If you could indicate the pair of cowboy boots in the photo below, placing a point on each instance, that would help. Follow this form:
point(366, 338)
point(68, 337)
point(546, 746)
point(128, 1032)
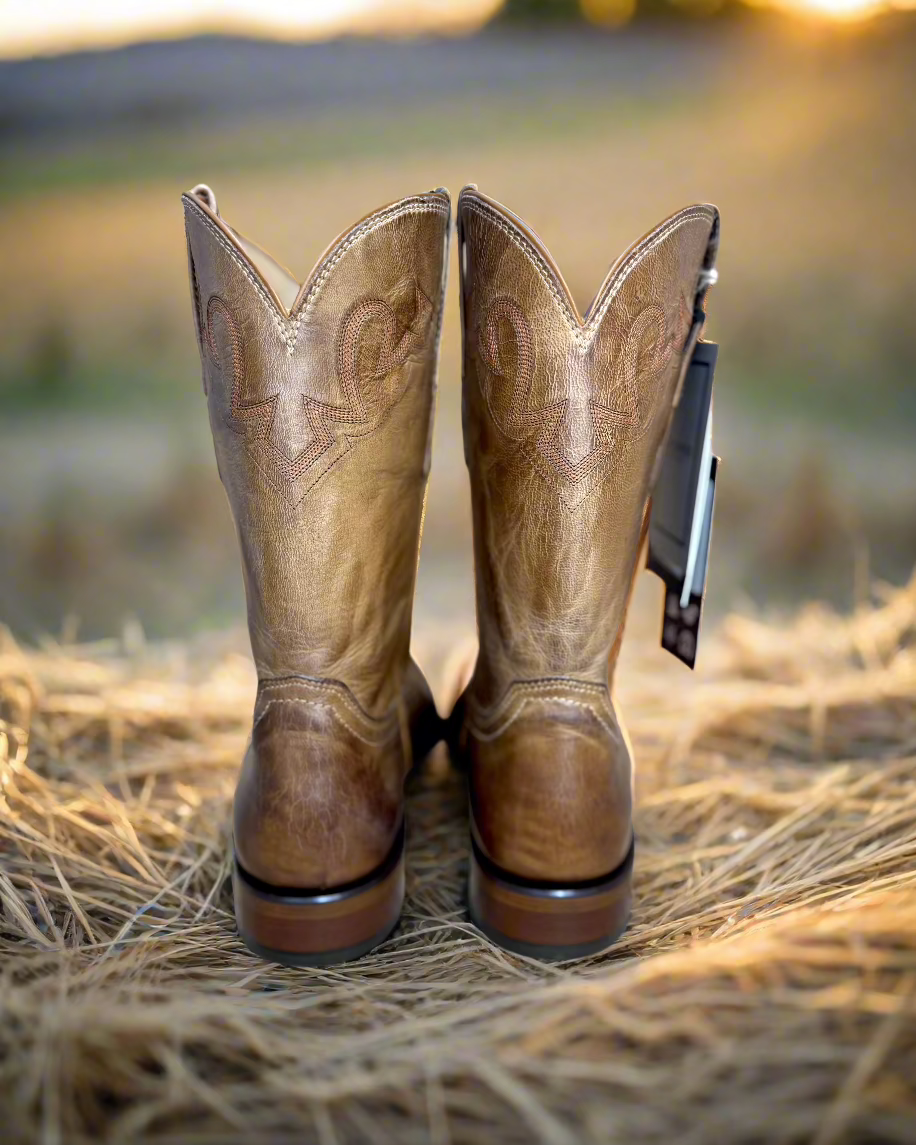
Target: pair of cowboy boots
point(321, 400)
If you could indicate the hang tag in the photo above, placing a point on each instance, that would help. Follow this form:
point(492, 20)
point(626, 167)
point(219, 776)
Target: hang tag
point(680, 525)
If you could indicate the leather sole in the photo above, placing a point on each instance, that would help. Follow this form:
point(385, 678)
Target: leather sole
point(549, 921)
point(320, 927)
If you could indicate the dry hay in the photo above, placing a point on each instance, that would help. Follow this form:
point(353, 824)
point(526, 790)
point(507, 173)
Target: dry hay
point(766, 991)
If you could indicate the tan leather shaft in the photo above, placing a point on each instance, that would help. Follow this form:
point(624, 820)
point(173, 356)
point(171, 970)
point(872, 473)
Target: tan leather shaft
point(321, 417)
point(564, 419)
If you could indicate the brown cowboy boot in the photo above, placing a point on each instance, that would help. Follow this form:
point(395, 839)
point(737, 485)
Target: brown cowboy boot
point(564, 421)
point(321, 403)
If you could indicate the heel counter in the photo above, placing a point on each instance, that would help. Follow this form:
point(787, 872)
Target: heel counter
point(551, 785)
point(319, 798)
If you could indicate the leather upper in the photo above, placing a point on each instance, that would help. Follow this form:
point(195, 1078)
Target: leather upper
point(321, 405)
point(564, 420)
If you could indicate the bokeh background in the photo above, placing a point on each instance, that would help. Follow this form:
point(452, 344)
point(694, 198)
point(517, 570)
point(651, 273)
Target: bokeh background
point(592, 120)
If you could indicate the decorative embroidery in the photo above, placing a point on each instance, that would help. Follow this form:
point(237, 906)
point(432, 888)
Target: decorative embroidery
point(244, 417)
point(365, 404)
point(551, 426)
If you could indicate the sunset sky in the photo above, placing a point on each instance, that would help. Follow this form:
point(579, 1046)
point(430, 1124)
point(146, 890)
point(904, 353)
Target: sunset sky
point(62, 25)
point(59, 25)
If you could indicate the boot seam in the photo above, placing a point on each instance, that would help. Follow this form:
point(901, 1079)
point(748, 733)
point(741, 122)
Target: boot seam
point(488, 726)
point(301, 702)
point(584, 333)
point(336, 687)
point(287, 325)
point(386, 725)
point(546, 685)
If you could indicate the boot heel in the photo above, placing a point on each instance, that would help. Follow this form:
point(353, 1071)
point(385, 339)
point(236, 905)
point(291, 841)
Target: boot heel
point(319, 928)
point(548, 921)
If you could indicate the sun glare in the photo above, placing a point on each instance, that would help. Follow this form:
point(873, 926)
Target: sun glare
point(848, 11)
point(844, 9)
point(62, 25)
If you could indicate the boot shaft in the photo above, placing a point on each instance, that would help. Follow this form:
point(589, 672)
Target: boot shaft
point(564, 418)
point(320, 401)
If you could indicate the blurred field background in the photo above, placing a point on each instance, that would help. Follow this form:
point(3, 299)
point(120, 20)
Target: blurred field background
point(766, 990)
point(799, 125)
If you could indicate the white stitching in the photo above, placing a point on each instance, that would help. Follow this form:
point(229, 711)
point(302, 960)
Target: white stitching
point(637, 256)
point(528, 249)
point(538, 687)
point(278, 319)
point(337, 690)
point(326, 707)
point(486, 737)
point(583, 334)
point(551, 685)
point(287, 326)
point(415, 207)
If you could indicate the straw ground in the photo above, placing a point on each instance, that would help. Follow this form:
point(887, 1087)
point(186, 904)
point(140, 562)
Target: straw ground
point(766, 991)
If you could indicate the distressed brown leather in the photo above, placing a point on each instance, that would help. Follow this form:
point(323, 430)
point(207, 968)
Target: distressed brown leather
point(321, 417)
point(564, 420)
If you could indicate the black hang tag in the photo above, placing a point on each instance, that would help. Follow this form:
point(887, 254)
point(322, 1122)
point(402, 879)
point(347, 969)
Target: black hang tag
point(681, 622)
point(680, 526)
